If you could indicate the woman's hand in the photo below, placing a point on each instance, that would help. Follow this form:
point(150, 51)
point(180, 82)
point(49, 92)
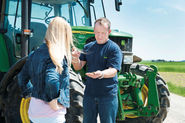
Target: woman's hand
point(55, 105)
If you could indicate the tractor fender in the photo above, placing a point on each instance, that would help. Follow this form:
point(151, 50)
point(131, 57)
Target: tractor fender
point(15, 69)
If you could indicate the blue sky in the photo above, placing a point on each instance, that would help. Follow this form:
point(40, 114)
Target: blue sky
point(158, 26)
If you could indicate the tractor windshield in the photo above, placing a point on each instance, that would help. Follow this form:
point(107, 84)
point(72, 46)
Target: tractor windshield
point(76, 12)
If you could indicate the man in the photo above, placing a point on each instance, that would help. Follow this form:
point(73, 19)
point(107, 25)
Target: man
point(103, 58)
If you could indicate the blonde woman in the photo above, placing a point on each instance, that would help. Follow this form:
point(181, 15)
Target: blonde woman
point(45, 75)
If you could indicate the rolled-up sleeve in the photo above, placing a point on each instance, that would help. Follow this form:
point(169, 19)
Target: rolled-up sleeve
point(115, 59)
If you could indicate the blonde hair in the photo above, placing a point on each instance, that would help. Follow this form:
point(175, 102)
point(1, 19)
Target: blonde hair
point(59, 41)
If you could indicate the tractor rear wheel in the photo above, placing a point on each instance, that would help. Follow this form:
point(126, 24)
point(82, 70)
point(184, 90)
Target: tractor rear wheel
point(75, 112)
point(163, 94)
point(10, 94)
point(11, 101)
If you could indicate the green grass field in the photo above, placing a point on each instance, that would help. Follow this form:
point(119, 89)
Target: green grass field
point(173, 73)
point(176, 89)
point(167, 66)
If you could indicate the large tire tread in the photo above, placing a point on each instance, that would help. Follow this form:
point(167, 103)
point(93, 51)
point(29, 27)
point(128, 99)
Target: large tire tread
point(10, 94)
point(75, 112)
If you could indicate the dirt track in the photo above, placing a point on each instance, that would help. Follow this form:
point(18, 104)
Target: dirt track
point(176, 78)
point(176, 112)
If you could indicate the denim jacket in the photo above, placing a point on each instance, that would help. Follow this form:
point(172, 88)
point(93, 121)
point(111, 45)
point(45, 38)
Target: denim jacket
point(38, 78)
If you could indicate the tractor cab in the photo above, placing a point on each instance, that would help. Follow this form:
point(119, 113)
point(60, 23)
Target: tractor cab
point(25, 23)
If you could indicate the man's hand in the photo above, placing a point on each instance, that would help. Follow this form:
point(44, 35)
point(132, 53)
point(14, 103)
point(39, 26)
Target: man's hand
point(107, 73)
point(75, 55)
point(77, 63)
point(95, 75)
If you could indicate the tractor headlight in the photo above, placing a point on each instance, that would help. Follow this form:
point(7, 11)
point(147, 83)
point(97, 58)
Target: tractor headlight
point(128, 58)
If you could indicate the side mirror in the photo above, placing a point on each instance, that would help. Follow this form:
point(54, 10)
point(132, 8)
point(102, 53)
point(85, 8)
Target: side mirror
point(118, 3)
point(91, 1)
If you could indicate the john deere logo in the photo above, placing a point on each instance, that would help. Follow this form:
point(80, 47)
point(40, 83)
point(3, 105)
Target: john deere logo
point(105, 57)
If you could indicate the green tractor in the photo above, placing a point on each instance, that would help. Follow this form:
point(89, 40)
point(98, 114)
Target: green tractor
point(143, 94)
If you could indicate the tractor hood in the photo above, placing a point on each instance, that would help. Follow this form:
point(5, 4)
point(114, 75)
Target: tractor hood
point(114, 33)
point(118, 33)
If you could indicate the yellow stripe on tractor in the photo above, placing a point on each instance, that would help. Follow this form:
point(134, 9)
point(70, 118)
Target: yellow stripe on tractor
point(82, 32)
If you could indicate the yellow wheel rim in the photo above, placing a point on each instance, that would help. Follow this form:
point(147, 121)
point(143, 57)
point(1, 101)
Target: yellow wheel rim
point(24, 110)
point(144, 92)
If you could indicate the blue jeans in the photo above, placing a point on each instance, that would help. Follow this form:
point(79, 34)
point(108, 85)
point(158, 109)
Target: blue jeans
point(106, 107)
